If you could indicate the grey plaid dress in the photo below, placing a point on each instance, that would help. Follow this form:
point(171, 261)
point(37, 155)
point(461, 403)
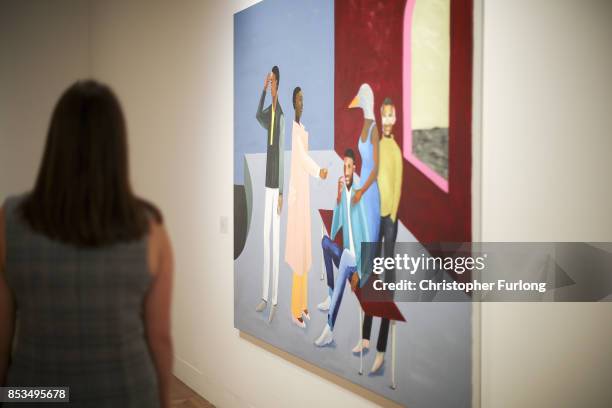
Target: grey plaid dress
point(79, 318)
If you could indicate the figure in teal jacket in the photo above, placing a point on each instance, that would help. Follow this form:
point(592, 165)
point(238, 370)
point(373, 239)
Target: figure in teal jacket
point(351, 217)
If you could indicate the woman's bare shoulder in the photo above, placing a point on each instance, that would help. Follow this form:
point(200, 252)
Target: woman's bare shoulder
point(2, 223)
point(159, 245)
point(2, 240)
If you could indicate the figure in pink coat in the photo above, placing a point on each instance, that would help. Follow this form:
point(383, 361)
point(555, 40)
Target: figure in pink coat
point(298, 252)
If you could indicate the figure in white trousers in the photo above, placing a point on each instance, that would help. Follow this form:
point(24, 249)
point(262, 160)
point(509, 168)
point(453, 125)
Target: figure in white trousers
point(273, 120)
point(271, 224)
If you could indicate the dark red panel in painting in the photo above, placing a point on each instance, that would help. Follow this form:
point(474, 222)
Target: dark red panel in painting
point(368, 48)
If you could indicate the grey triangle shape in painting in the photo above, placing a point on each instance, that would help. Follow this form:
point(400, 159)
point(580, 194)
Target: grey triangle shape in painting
point(562, 279)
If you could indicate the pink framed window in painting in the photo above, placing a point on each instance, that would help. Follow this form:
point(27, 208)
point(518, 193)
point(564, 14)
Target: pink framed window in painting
point(426, 72)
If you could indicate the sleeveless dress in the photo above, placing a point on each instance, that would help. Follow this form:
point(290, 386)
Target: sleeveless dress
point(79, 318)
point(371, 198)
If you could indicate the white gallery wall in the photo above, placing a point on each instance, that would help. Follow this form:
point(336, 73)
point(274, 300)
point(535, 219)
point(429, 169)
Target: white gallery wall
point(43, 47)
point(546, 138)
point(546, 146)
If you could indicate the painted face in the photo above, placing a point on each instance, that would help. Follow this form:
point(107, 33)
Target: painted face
point(299, 104)
point(349, 168)
point(388, 119)
point(273, 85)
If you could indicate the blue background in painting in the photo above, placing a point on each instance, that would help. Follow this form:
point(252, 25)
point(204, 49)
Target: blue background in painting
point(298, 36)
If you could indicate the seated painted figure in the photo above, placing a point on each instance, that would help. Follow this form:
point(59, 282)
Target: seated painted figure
point(351, 217)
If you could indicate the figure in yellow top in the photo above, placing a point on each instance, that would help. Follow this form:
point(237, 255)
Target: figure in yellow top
point(390, 172)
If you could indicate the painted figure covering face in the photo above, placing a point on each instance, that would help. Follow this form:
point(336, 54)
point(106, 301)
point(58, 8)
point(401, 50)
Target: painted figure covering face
point(273, 85)
point(272, 120)
point(274, 81)
point(364, 100)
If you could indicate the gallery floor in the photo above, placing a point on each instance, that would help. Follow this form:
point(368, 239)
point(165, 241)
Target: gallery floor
point(184, 397)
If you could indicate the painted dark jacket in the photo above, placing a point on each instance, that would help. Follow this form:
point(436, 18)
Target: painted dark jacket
point(275, 150)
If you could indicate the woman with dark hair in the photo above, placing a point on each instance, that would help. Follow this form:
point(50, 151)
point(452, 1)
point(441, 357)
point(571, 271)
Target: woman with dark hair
point(86, 267)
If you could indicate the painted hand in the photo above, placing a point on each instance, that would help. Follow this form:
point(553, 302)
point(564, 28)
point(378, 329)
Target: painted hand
point(267, 81)
point(280, 204)
point(340, 187)
point(323, 174)
point(357, 196)
point(354, 281)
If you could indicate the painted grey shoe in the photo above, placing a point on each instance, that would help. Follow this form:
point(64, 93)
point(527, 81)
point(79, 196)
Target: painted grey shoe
point(299, 322)
point(325, 338)
point(324, 305)
point(378, 362)
point(272, 313)
point(363, 345)
point(261, 306)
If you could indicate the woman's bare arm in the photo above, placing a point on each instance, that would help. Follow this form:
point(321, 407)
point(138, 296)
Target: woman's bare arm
point(157, 309)
point(7, 308)
point(374, 174)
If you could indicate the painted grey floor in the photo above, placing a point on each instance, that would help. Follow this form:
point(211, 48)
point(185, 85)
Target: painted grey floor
point(434, 352)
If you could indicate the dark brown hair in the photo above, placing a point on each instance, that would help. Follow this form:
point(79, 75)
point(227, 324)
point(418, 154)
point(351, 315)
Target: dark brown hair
point(276, 73)
point(83, 195)
point(296, 91)
point(349, 153)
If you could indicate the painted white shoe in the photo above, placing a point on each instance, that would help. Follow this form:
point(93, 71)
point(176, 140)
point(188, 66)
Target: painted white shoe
point(326, 337)
point(261, 306)
point(305, 315)
point(324, 305)
point(298, 323)
point(272, 313)
point(362, 345)
point(378, 362)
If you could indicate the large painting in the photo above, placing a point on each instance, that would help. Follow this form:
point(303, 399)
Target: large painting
point(352, 124)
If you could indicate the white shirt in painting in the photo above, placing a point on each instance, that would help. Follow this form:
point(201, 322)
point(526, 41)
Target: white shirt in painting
point(347, 192)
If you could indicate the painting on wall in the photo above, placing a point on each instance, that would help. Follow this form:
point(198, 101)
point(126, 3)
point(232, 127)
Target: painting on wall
point(352, 124)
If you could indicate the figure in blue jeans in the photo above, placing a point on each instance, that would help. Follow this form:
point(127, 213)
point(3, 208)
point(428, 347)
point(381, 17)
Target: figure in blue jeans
point(351, 218)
